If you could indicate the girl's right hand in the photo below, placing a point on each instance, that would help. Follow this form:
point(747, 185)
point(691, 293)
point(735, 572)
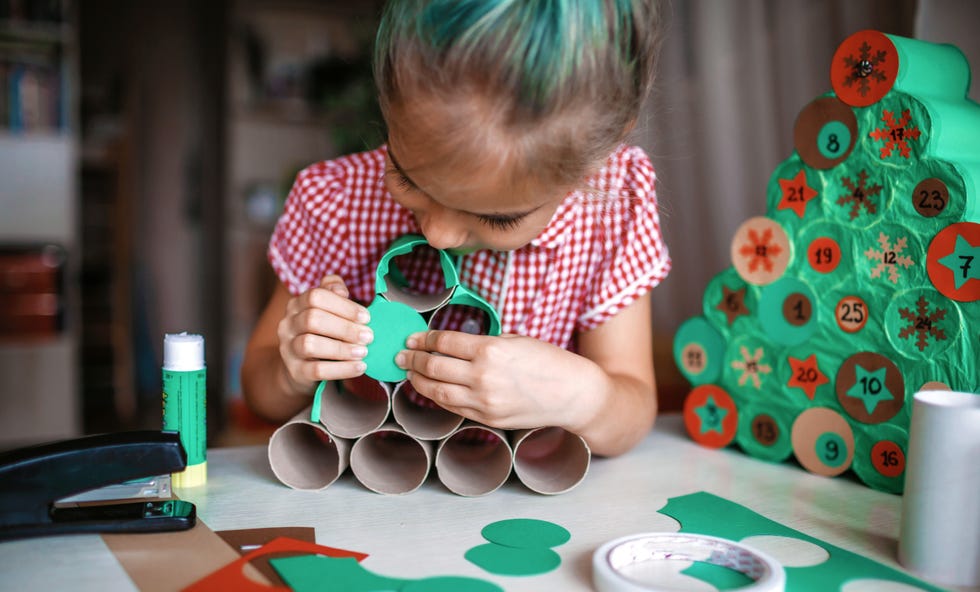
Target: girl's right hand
point(324, 335)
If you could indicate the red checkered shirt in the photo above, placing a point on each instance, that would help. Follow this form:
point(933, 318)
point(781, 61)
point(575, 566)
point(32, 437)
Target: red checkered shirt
point(601, 250)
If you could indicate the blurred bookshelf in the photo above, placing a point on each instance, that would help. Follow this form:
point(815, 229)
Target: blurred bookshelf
point(38, 225)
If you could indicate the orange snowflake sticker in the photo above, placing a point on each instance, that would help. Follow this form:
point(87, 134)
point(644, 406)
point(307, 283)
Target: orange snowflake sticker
point(760, 251)
point(864, 68)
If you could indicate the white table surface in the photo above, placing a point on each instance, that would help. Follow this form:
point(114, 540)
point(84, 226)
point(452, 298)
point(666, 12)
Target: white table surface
point(426, 533)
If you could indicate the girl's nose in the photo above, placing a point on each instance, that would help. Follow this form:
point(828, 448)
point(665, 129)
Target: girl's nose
point(442, 230)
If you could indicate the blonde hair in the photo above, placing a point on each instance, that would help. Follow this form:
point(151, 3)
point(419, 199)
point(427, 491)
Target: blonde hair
point(561, 81)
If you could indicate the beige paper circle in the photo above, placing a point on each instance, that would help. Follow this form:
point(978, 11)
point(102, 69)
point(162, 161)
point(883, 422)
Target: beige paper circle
point(760, 251)
point(808, 429)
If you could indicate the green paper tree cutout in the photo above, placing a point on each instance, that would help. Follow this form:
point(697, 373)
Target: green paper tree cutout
point(878, 211)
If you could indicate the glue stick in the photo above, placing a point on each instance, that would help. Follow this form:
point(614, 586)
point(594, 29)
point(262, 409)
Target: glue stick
point(184, 402)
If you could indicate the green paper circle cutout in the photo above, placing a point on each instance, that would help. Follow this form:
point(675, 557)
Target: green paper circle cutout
point(510, 561)
point(833, 140)
point(699, 350)
point(831, 449)
point(788, 311)
point(765, 432)
point(451, 584)
point(922, 324)
point(526, 533)
point(392, 323)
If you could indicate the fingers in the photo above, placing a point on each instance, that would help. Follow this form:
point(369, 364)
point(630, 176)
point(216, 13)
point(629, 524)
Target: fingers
point(434, 366)
point(449, 343)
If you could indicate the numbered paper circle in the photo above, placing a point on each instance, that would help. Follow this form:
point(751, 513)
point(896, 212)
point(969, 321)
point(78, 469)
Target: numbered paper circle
point(921, 323)
point(710, 416)
point(864, 68)
point(825, 133)
point(851, 313)
point(823, 441)
point(788, 311)
point(764, 432)
point(760, 251)
point(879, 460)
point(699, 350)
point(930, 197)
point(953, 261)
point(870, 387)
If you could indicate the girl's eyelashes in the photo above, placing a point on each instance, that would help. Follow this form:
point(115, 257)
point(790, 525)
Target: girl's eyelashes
point(401, 181)
point(500, 222)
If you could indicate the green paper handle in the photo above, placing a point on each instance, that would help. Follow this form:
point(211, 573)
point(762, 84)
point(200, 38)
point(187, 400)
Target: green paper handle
point(404, 245)
point(465, 297)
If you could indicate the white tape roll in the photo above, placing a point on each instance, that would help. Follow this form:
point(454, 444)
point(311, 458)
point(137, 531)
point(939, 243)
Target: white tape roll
point(612, 560)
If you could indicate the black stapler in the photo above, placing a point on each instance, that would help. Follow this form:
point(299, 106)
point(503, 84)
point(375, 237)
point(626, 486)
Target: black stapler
point(33, 479)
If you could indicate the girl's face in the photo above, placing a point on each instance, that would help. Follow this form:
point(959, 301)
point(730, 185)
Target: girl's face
point(461, 207)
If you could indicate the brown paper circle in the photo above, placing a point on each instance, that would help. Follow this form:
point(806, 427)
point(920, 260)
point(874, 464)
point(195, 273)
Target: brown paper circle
point(811, 121)
point(885, 409)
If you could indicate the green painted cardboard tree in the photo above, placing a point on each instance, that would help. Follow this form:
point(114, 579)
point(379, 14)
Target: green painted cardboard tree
point(861, 284)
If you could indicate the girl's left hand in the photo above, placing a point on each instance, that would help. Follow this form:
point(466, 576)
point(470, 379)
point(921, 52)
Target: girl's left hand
point(508, 382)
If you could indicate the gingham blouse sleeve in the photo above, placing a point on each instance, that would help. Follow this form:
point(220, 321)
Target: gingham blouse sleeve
point(309, 240)
point(637, 258)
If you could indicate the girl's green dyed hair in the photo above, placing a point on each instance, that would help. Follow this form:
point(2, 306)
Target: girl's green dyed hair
point(565, 78)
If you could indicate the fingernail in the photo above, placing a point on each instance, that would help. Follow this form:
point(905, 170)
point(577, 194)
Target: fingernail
point(363, 316)
point(358, 351)
point(366, 336)
point(360, 367)
point(411, 343)
point(400, 359)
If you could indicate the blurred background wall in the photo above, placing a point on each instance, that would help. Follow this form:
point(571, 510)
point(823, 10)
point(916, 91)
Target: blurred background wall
point(146, 150)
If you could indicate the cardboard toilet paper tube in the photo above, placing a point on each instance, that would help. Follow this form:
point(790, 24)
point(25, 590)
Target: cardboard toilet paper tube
point(474, 460)
point(550, 460)
point(304, 455)
point(419, 416)
point(390, 461)
point(354, 407)
point(940, 526)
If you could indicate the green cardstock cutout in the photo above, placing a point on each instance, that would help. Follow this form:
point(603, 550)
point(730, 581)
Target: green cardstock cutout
point(705, 513)
point(511, 561)
point(311, 573)
point(526, 533)
point(392, 322)
point(451, 584)
point(719, 576)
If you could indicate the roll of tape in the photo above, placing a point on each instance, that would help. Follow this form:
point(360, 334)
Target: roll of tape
point(611, 562)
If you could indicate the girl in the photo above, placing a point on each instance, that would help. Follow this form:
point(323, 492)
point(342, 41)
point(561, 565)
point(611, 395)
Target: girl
point(505, 123)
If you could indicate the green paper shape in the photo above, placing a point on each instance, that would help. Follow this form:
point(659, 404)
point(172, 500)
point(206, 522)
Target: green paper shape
point(317, 398)
point(511, 561)
point(719, 576)
point(451, 584)
point(831, 449)
point(526, 533)
point(705, 513)
point(712, 416)
point(964, 262)
point(870, 388)
point(313, 572)
point(772, 317)
point(698, 330)
point(392, 323)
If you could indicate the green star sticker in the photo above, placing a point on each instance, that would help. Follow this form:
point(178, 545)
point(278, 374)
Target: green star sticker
point(870, 388)
point(711, 416)
point(964, 262)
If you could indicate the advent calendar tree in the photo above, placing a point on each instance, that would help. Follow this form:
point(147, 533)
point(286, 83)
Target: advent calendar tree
point(861, 284)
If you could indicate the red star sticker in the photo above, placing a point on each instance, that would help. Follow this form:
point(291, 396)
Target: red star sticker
point(806, 375)
point(796, 193)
